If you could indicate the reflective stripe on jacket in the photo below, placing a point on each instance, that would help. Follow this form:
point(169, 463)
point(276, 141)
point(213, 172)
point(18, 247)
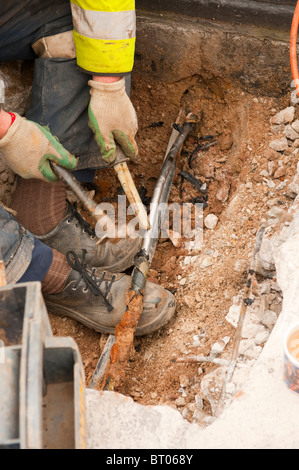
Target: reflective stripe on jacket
point(104, 35)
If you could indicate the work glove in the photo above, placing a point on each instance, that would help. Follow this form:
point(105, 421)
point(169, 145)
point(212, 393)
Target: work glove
point(112, 119)
point(28, 148)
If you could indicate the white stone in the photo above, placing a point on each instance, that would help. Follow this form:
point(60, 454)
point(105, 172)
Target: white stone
point(250, 330)
point(290, 132)
point(219, 346)
point(271, 167)
point(180, 401)
point(249, 349)
point(265, 288)
point(284, 116)
point(277, 129)
point(191, 407)
point(269, 318)
point(210, 387)
point(211, 221)
point(198, 402)
point(234, 312)
point(270, 184)
point(261, 337)
point(200, 417)
point(266, 255)
point(241, 265)
point(294, 98)
point(275, 286)
point(279, 144)
point(295, 125)
point(294, 185)
point(184, 381)
point(281, 185)
point(207, 261)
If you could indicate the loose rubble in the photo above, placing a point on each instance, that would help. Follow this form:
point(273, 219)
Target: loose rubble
point(245, 176)
point(262, 314)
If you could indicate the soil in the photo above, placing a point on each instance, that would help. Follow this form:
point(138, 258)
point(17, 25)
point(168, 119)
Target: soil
point(204, 280)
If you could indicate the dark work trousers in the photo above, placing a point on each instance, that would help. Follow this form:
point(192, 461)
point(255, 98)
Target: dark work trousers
point(60, 91)
point(60, 98)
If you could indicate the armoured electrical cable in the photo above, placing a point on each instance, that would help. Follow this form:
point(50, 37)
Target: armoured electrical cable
point(124, 332)
point(293, 48)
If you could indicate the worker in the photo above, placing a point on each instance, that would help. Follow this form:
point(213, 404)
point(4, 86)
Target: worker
point(83, 54)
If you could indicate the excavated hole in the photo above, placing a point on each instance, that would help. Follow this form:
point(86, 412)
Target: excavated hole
point(204, 281)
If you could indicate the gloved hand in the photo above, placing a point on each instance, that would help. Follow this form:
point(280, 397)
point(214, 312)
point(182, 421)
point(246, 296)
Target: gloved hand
point(27, 149)
point(113, 119)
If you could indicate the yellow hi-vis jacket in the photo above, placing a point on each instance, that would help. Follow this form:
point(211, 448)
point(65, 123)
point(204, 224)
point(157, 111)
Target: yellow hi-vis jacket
point(104, 35)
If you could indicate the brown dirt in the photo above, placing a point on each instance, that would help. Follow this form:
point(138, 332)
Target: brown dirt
point(240, 123)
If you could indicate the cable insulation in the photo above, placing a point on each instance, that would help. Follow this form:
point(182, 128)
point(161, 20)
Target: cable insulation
point(293, 47)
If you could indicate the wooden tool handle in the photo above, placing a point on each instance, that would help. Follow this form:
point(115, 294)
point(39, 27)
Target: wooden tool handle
point(130, 190)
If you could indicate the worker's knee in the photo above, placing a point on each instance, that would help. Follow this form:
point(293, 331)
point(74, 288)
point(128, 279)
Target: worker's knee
point(57, 46)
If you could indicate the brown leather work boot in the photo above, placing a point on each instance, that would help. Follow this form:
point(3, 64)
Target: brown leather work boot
point(75, 234)
point(97, 298)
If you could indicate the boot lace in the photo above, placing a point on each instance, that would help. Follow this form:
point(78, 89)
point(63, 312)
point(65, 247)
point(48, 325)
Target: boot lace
point(91, 279)
point(75, 214)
